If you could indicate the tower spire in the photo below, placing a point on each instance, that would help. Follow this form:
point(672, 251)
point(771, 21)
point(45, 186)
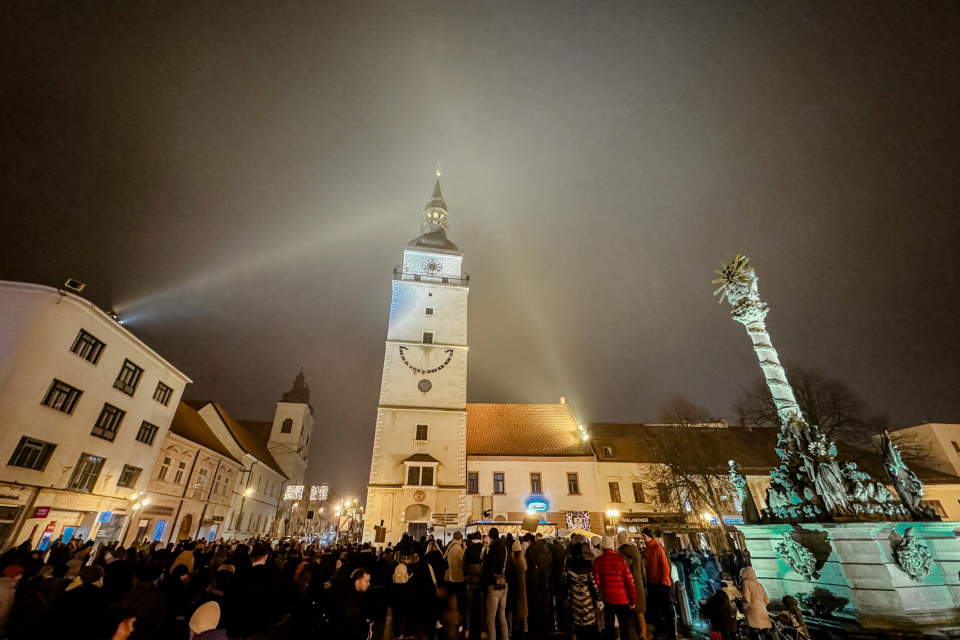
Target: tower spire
point(433, 225)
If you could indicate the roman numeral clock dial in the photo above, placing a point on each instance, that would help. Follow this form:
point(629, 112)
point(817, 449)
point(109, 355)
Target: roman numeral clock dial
point(430, 360)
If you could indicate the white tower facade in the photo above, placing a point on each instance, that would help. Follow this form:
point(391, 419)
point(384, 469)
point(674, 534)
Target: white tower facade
point(418, 468)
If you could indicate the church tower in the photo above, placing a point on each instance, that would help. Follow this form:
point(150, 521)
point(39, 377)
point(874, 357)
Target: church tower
point(291, 430)
point(418, 469)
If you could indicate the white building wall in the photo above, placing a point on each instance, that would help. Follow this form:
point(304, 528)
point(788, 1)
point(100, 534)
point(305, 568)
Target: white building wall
point(39, 327)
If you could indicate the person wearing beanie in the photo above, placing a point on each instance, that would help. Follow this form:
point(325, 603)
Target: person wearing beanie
point(660, 611)
point(634, 559)
point(616, 587)
point(204, 621)
point(78, 610)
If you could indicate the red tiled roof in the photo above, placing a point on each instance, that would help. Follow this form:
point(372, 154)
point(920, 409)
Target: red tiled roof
point(188, 424)
point(251, 435)
point(523, 430)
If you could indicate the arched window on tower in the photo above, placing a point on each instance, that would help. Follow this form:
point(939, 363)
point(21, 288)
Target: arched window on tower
point(287, 426)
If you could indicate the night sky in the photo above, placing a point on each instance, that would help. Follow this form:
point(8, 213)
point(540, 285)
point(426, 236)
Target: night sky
point(238, 179)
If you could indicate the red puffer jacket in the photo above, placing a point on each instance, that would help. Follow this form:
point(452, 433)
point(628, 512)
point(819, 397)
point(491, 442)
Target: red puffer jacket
point(614, 579)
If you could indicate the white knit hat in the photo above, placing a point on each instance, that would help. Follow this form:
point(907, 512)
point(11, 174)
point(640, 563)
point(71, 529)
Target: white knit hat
point(606, 542)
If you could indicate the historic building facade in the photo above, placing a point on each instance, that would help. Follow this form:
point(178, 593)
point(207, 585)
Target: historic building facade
point(85, 407)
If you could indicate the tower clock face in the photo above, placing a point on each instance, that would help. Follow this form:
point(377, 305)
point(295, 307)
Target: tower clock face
point(432, 266)
point(427, 360)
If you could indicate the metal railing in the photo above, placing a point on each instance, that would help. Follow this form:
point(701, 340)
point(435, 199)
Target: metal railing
point(432, 279)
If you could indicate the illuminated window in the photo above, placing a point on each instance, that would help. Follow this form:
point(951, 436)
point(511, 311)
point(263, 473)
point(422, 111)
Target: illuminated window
point(87, 347)
point(129, 378)
point(422, 430)
point(498, 482)
point(61, 397)
point(535, 486)
point(573, 484)
point(428, 337)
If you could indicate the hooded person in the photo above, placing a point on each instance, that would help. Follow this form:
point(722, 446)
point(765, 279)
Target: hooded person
point(755, 600)
point(204, 622)
point(634, 559)
point(517, 606)
point(578, 588)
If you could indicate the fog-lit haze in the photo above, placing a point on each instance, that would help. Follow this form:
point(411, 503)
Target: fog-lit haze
point(237, 180)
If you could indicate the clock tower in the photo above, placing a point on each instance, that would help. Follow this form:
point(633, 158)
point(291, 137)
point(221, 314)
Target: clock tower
point(418, 468)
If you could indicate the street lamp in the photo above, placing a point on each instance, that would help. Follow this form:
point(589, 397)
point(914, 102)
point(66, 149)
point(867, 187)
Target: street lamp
point(613, 514)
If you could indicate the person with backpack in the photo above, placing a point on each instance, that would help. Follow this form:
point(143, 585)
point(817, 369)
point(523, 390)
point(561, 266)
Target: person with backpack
point(403, 593)
point(494, 583)
point(473, 571)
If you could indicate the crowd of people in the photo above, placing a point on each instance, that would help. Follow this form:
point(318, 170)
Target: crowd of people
point(482, 586)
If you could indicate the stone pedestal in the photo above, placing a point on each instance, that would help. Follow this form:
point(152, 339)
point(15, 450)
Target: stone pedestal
point(856, 561)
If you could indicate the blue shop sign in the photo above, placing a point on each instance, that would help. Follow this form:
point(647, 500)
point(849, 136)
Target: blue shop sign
point(106, 516)
point(537, 503)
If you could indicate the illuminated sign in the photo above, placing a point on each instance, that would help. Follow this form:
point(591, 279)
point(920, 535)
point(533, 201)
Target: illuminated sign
point(41, 512)
point(106, 516)
point(537, 503)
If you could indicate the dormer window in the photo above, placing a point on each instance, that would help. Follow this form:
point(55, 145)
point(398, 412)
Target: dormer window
point(608, 452)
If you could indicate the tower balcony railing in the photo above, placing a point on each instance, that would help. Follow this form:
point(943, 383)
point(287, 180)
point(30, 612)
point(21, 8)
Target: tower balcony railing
point(461, 281)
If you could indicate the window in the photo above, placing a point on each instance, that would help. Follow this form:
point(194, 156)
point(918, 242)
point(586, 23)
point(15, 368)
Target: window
point(201, 479)
point(129, 476)
point(179, 475)
point(429, 311)
point(158, 532)
point(147, 432)
point(108, 422)
point(573, 484)
point(162, 393)
point(31, 454)
point(87, 347)
point(61, 397)
point(129, 378)
point(608, 452)
point(663, 492)
point(287, 426)
point(638, 492)
point(422, 430)
point(428, 337)
point(422, 476)
point(473, 482)
point(498, 483)
point(86, 473)
point(614, 491)
point(535, 486)
point(163, 469)
point(309, 515)
point(216, 484)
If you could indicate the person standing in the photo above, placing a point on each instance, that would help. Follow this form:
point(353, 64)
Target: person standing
point(579, 591)
point(353, 623)
point(495, 583)
point(473, 570)
point(634, 559)
point(617, 592)
point(660, 588)
point(454, 577)
point(755, 601)
point(517, 608)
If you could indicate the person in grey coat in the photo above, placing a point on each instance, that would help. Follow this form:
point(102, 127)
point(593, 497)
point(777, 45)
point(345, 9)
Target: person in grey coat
point(634, 559)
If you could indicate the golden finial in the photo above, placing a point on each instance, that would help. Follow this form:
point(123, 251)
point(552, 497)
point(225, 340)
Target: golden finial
point(438, 171)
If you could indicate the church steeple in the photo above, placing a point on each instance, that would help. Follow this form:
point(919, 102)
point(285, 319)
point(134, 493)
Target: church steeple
point(300, 392)
point(433, 226)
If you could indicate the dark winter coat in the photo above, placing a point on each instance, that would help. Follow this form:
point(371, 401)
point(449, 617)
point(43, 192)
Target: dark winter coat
point(634, 559)
point(494, 562)
point(614, 579)
point(580, 588)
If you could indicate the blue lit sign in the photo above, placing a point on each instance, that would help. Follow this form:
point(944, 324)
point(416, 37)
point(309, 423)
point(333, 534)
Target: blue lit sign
point(537, 503)
point(106, 516)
